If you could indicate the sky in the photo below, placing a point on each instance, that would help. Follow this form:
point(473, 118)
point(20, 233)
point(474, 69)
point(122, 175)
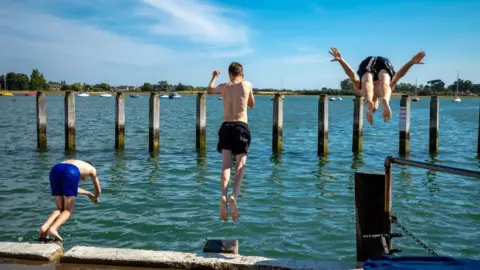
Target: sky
point(281, 44)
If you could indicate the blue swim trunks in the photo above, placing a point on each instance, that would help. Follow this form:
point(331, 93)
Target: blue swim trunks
point(64, 179)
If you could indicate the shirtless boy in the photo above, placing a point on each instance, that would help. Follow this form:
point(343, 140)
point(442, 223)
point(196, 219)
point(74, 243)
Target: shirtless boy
point(64, 180)
point(234, 134)
point(378, 77)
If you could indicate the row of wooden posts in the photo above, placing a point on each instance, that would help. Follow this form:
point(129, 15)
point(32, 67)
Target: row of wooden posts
point(201, 121)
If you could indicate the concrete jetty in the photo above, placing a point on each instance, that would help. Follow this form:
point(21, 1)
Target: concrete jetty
point(160, 259)
point(30, 251)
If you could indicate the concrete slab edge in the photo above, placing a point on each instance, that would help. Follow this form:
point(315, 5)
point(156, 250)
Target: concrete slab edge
point(30, 251)
point(181, 260)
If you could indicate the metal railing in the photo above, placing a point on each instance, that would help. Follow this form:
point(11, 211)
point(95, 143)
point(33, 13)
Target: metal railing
point(390, 160)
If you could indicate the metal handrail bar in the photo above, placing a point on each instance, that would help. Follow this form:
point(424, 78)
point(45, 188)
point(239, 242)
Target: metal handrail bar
point(428, 166)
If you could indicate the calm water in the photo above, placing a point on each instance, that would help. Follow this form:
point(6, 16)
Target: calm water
point(292, 205)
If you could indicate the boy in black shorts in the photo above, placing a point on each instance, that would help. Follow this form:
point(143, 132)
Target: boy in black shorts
point(234, 134)
point(378, 77)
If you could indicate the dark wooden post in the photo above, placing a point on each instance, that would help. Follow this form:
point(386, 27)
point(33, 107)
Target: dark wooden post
point(373, 208)
point(201, 131)
point(357, 124)
point(41, 121)
point(404, 126)
point(322, 125)
point(434, 123)
point(154, 125)
point(120, 121)
point(277, 133)
point(70, 121)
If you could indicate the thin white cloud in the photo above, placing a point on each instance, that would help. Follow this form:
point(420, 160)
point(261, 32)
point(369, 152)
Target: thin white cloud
point(28, 32)
point(197, 21)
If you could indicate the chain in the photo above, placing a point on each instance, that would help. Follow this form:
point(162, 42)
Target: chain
point(395, 220)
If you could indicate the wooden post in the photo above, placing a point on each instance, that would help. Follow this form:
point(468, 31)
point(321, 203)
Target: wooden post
point(373, 209)
point(277, 133)
point(70, 121)
point(154, 126)
point(41, 121)
point(322, 125)
point(434, 122)
point(120, 121)
point(357, 124)
point(201, 132)
point(404, 125)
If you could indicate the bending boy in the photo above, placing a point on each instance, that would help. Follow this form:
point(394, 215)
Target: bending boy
point(64, 180)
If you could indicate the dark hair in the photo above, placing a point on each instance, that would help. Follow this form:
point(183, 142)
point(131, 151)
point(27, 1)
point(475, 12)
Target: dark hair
point(88, 162)
point(235, 69)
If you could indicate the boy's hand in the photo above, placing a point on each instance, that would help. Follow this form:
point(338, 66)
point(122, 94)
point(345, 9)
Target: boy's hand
point(336, 54)
point(93, 198)
point(216, 73)
point(417, 59)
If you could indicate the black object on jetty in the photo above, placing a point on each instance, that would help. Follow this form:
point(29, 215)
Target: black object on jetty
point(221, 246)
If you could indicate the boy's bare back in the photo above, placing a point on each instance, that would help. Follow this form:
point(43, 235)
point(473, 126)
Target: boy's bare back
point(236, 97)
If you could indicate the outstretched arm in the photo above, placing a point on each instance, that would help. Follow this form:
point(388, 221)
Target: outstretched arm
point(211, 87)
point(346, 67)
point(417, 59)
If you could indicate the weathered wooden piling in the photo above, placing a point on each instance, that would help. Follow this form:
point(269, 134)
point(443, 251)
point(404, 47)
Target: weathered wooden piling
point(41, 121)
point(201, 132)
point(373, 209)
point(70, 121)
point(357, 124)
point(434, 123)
point(322, 125)
point(404, 125)
point(277, 132)
point(120, 121)
point(154, 125)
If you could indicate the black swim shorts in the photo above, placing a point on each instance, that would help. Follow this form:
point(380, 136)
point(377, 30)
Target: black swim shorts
point(374, 64)
point(234, 136)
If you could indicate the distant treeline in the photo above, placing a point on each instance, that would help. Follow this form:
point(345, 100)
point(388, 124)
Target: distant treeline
point(36, 81)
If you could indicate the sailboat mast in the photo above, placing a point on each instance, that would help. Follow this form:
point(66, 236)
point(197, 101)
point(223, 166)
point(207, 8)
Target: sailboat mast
point(457, 81)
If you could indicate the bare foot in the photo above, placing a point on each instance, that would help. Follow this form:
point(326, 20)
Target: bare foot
point(387, 112)
point(43, 232)
point(223, 208)
point(54, 233)
point(369, 116)
point(233, 207)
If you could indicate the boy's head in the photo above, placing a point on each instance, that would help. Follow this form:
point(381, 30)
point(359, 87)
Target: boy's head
point(235, 70)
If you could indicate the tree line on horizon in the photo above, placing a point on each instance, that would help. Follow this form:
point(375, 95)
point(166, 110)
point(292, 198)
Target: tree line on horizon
point(37, 81)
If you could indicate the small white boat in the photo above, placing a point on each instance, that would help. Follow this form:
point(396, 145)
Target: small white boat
point(339, 98)
point(457, 99)
point(164, 96)
point(416, 98)
point(83, 94)
point(105, 95)
point(333, 98)
point(135, 96)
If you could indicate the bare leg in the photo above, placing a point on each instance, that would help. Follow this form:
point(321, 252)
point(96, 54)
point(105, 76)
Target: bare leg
point(64, 216)
point(367, 89)
point(52, 217)
point(240, 161)
point(386, 91)
point(226, 170)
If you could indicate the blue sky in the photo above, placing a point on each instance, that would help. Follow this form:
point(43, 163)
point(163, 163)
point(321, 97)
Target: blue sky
point(133, 41)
